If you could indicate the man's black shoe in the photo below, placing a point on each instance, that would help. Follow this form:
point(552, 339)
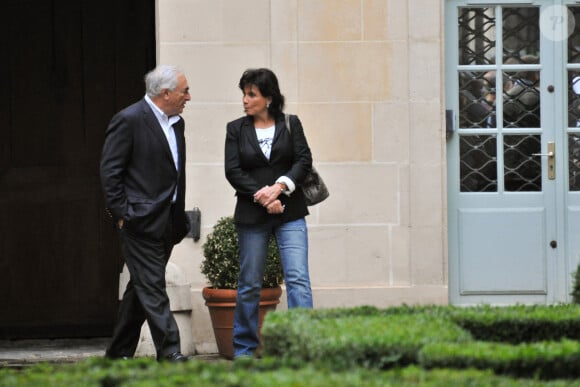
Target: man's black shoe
point(175, 357)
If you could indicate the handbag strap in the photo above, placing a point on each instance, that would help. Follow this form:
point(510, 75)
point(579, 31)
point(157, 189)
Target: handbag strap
point(287, 119)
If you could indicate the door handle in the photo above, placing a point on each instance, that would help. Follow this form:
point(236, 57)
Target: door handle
point(551, 155)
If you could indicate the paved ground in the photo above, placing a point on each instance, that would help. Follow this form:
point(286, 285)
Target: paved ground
point(20, 353)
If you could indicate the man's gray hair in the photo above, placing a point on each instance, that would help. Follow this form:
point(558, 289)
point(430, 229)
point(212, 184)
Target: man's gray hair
point(161, 77)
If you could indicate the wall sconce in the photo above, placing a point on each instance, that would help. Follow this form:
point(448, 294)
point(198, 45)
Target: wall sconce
point(195, 221)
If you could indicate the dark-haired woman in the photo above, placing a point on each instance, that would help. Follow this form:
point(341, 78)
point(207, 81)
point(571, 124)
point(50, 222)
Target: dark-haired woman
point(266, 163)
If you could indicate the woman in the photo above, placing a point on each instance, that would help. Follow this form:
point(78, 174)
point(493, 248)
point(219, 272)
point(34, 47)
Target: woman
point(266, 163)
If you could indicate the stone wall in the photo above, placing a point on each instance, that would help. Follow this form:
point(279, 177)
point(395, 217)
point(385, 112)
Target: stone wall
point(366, 79)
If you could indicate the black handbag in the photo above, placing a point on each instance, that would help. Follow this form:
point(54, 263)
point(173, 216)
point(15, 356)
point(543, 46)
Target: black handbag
point(313, 186)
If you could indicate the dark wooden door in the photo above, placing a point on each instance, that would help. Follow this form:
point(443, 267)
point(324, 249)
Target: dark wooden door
point(67, 67)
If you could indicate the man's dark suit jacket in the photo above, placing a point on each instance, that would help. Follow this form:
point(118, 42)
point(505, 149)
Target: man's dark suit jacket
point(138, 173)
point(248, 170)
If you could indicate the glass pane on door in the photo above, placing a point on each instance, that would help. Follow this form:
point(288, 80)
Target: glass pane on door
point(521, 103)
point(476, 36)
point(522, 171)
point(478, 163)
point(477, 99)
point(521, 33)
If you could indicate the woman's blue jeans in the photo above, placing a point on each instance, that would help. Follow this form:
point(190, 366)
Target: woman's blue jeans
point(292, 240)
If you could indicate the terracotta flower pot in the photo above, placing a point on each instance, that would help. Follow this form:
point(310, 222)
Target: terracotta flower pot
point(222, 303)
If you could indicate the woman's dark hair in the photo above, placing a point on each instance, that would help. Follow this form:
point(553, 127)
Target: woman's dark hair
point(265, 80)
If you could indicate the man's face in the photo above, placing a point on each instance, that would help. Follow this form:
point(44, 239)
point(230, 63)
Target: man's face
point(175, 100)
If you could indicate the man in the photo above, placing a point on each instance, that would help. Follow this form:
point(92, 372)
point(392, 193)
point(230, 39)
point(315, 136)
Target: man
point(143, 178)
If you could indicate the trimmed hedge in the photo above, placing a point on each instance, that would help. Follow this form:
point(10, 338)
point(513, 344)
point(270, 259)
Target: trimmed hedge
point(520, 323)
point(530, 340)
point(427, 346)
point(544, 360)
point(348, 338)
point(147, 372)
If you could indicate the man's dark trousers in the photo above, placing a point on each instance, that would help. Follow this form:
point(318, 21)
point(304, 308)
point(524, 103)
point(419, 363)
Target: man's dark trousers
point(145, 297)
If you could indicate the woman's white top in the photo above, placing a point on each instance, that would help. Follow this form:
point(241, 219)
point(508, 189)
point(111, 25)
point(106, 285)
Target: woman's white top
point(265, 138)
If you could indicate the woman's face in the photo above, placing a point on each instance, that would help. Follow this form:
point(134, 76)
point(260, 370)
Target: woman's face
point(254, 102)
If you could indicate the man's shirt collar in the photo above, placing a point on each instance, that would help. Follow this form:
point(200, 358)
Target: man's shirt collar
point(161, 116)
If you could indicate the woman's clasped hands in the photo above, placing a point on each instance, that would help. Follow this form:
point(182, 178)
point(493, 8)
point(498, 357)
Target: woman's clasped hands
point(268, 198)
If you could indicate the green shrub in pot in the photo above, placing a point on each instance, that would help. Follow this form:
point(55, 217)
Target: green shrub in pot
point(221, 263)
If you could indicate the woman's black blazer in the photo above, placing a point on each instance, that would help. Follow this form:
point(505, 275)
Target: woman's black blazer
point(248, 170)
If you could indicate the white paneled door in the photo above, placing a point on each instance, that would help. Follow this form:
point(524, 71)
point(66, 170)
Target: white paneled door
point(513, 150)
